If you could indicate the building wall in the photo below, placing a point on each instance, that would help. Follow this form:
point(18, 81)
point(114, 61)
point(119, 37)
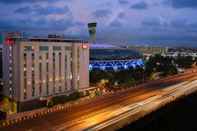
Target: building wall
point(43, 69)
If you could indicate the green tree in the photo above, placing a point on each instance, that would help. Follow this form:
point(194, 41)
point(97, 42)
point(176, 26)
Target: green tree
point(6, 105)
point(184, 61)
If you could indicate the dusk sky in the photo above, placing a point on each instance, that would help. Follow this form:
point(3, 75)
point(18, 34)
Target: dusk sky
point(161, 22)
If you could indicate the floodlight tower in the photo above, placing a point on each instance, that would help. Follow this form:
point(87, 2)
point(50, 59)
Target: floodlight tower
point(92, 31)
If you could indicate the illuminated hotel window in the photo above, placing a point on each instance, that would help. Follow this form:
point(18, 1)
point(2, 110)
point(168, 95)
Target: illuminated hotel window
point(10, 47)
point(25, 88)
point(33, 75)
point(78, 65)
point(28, 48)
point(10, 75)
point(10, 82)
point(10, 61)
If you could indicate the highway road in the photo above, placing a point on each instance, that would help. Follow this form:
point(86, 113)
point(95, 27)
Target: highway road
point(105, 110)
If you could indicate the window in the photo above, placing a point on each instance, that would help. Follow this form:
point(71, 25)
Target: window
point(33, 75)
point(47, 84)
point(53, 72)
point(56, 48)
point(25, 88)
point(68, 48)
point(28, 48)
point(44, 48)
point(65, 72)
point(25, 76)
point(78, 65)
point(60, 64)
point(33, 56)
point(33, 91)
point(40, 77)
point(40, 89)
point(60, 89)
point(47, 56)
point(47, 68)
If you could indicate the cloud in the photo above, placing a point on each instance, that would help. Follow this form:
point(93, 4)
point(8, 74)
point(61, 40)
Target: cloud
point(40, 25)
point(139, 6)
point(102, 13)
point(123, 2)
point(24, 1)
point(151, 22)
point(116, 24)
point(42, 10)
point(121, 15)
point(182, 3)
point(23, 10)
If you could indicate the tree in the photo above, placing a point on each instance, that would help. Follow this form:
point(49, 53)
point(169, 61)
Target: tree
point(14, 107)
point(184, 61)
point(6, 105)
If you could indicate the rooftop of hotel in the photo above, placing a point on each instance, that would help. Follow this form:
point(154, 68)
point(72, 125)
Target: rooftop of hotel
point(49, 38)
point(58, 40)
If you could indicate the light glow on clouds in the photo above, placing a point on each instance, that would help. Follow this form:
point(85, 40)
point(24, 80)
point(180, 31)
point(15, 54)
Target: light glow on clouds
point(136, 21)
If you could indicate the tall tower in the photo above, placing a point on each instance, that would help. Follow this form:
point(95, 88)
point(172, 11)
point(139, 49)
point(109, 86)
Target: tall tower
point(92, 31)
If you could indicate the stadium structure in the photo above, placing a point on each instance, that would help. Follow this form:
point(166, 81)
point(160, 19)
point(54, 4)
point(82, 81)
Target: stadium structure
point(113, 58)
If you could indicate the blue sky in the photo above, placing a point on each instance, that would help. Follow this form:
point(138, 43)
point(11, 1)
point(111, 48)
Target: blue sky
point(156, 22)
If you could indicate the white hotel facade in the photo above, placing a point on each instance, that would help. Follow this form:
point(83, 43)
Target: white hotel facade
point(43, 67)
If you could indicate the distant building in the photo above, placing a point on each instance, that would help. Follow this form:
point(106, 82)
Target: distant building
point(38, 68)
point(149, 51)
point(182, 51)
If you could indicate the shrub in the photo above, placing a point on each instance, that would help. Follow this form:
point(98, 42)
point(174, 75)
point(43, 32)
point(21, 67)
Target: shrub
point(3, 115)
point(50, 103)
point(64, 98)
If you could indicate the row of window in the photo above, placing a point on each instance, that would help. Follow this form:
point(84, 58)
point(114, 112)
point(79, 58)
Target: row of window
point(46, 48)
point(55, 74)
point(11, 91)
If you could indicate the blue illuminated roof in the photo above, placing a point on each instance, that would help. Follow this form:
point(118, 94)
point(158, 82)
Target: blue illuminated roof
point(115, 64)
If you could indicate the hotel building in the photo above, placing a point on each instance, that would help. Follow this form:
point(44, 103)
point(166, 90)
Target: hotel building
point(40, 68)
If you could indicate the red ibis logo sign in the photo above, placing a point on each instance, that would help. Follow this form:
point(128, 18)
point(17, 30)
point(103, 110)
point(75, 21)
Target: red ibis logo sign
point(85, 46)
point(9, 41)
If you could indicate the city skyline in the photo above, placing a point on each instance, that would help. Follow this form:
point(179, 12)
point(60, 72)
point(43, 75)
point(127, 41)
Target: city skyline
point(156, 22)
